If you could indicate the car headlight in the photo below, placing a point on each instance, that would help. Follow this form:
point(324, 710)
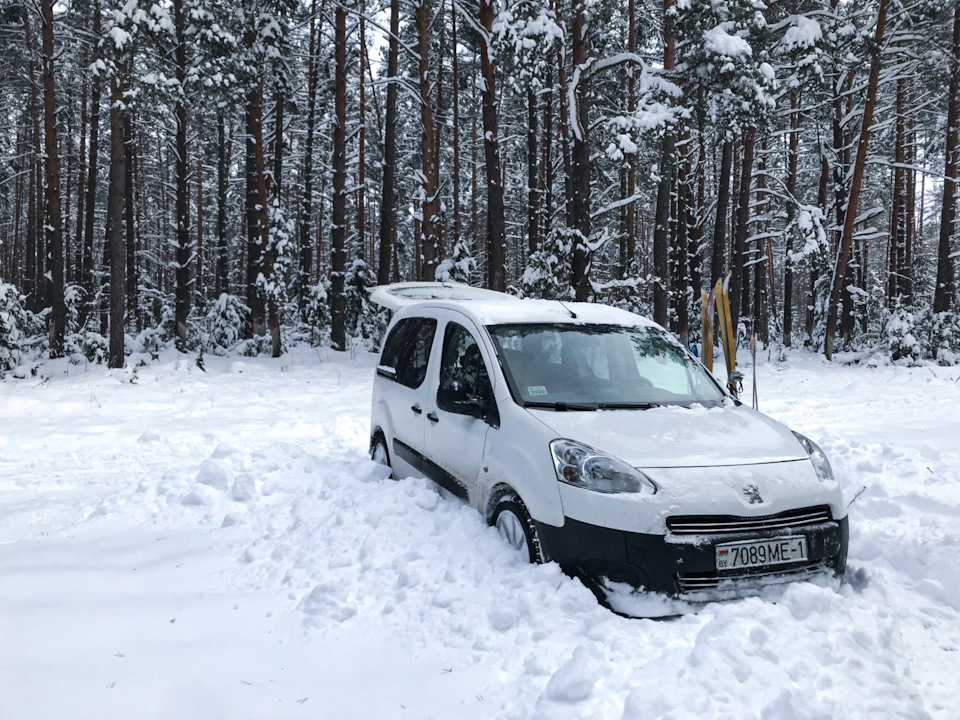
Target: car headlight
point(817, 457)
point(582, 466)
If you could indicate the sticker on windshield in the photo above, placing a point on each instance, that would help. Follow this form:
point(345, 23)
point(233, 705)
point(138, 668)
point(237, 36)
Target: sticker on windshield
point(536, 390)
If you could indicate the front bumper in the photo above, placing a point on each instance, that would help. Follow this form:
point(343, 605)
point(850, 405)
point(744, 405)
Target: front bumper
point(686, 567)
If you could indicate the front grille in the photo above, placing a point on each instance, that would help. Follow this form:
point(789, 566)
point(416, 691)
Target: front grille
point(697, 582)
point(732, 525)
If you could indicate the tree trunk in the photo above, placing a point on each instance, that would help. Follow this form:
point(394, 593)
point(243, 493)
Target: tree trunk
point(630, 219)
point(440, 227)
point(740, 283)
point(792, 147)
point(811, 305)
point(221, 283)
point(846, 239)
point(77, 276)
point(183, 249)
point(268, 256)
point(259, 212)
point(133, 315)
point(910, 179)
point(661, 232)
point(698, 232)
point(718, 260)
point(338, 222)
point(533, 216)
point(67, 152)
point(388, 201)
point(163, 246)
point(455, 80)
point(306, 202)
point(31, 287)
point(737, 173)
point(115, 197)
point(761, 288)
point(944, 295)
point(661, 229)
point(429, 245)
point(563, 110)
point(89, 280)
point(897, 209)
point(255, 299)
point(580, 159)
point(496, 223)
point(361, 156)
point(53, 221)
point(681, 280)
point(474, 188)
point(199, 289)
point(546, 160)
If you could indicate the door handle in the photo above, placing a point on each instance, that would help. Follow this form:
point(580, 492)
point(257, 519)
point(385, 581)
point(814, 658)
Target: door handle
point(416, 408)
point(432, 417)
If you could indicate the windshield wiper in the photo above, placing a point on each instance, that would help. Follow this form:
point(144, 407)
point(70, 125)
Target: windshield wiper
point(558, 406)
point(628, 405)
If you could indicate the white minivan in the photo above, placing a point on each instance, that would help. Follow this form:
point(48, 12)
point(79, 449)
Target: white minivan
point(589, 436)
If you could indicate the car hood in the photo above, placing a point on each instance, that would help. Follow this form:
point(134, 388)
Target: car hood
point(672, 437)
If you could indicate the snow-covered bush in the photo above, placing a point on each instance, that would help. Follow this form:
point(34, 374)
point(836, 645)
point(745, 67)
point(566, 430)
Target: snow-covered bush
point(316, 316)
point(904, 334)
point(459, 267)
point(625, 294)
point(362, 318)
point(151, 341)
point(281, 246)
point(17, 325)
point(547, 274)
point(224, 325)
point(73, 298)
point(168, 322)
point(257, 345)
point(945, 338)
point(87, 344)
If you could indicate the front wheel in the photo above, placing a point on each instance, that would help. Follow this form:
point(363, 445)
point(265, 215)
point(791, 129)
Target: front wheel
point(378, 451)
point(514, 524)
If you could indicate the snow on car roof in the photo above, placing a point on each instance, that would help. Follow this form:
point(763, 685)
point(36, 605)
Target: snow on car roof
point(398, 295)
point(488, 307)
point(551, 311)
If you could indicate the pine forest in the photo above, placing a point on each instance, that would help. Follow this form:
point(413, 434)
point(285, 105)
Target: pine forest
point(232, 176)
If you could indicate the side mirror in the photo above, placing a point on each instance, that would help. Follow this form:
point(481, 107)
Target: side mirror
point(451, 392)
point(452, 397)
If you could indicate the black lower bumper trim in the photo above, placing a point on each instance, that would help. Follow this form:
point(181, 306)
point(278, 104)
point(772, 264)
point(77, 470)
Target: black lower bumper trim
point(656, 563)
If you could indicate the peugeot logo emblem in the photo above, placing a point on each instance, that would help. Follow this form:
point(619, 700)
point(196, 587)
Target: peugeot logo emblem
point(753, 494)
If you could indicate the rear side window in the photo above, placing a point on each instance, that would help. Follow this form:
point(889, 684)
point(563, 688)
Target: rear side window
point(406, 351)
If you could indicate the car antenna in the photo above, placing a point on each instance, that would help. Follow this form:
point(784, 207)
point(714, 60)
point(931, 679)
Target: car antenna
point(572, 313)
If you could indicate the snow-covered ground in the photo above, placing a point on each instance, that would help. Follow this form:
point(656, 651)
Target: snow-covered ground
point(186, 544)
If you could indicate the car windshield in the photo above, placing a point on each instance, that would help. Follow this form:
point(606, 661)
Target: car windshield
point(587, 367)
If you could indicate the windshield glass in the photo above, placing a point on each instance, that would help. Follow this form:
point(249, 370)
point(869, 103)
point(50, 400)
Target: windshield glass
point(586, 367)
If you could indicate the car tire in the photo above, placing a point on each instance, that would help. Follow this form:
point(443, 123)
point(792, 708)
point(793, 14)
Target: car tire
point(379, 452)
point(513, 523)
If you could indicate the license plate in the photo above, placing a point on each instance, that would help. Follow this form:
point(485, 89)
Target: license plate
point(757, 553)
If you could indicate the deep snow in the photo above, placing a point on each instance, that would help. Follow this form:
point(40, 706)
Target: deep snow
point(215, 544)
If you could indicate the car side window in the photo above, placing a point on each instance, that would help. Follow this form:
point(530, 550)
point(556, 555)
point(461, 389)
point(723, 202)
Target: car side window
point(462, 362)
point(406, 351)
point(413, 371)
point(392, 346)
